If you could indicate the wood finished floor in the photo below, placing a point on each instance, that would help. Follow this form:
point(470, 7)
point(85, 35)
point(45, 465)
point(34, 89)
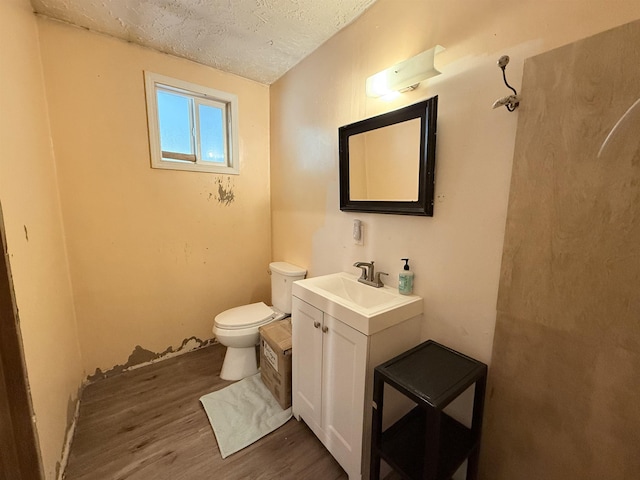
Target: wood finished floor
point(149, 424)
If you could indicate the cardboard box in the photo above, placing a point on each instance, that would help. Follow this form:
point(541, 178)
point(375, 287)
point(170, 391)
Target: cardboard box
point(275, 360)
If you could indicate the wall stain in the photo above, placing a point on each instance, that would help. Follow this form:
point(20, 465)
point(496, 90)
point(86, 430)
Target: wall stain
point(26, 233)
point(141, 357)
point(225, 196)
point(187, 252)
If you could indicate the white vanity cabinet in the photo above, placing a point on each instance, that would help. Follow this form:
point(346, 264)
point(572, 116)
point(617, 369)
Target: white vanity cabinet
point(329, 370)
point(332, 385)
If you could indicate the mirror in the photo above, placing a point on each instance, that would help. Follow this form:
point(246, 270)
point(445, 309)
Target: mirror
point(387, 163)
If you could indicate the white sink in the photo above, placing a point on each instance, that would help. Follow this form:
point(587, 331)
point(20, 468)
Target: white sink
point(350, 290)
point(365, 308)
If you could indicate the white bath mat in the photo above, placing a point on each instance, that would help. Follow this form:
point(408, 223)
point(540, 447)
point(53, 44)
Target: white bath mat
point(243, 413)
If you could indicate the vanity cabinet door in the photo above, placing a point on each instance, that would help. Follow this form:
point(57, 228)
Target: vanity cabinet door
point(344, 373)
point(307, 364)
point(329, 375)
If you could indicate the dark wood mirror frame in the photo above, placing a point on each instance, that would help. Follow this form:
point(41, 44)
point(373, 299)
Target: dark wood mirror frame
point(426, 111)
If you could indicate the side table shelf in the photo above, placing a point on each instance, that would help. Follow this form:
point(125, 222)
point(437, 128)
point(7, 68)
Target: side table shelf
point(427, 444)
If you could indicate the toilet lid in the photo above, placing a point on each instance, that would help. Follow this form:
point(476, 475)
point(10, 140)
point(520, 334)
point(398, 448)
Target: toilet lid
point(245, 316)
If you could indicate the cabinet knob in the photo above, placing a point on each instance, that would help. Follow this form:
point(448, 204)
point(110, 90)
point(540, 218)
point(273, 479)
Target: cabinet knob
point(325, 329)
point(316, 324)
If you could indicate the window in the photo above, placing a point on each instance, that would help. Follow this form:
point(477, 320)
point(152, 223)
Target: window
point(191, 127)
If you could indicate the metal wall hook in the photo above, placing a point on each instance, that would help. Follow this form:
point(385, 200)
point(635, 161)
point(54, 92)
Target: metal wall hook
point(511, 101)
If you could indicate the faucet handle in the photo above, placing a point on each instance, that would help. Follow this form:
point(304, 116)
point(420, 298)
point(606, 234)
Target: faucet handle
point(378, 281)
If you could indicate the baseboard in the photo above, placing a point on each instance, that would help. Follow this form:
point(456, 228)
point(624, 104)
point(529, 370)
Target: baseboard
point(66, 449)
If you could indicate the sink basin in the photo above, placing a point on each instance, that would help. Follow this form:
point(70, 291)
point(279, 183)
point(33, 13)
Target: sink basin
point(365, 308)
point(350, 290)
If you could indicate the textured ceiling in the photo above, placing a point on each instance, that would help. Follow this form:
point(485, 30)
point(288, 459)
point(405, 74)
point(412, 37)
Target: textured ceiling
point(256, 39)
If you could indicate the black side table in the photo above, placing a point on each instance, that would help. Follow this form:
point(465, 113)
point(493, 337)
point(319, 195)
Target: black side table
point(427, 444)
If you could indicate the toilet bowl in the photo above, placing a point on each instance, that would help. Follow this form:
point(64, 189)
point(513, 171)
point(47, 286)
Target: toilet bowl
point(238, 328)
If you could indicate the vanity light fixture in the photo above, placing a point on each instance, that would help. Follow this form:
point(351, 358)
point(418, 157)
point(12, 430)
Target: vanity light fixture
point(404, 76)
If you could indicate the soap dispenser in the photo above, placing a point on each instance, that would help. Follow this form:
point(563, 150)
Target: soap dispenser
point(405, 284)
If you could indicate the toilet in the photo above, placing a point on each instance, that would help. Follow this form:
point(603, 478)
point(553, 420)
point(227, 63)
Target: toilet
point(237, 328)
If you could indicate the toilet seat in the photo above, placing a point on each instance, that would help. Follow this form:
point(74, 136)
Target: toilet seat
point(245, 316)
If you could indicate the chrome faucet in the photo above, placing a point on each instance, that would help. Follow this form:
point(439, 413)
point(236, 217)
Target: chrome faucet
point(369, 276)
point(367, 270)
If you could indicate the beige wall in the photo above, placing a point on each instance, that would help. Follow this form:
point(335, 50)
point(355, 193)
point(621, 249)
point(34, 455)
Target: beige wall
point(153, 254)
point(456, 254)
point(35, 238)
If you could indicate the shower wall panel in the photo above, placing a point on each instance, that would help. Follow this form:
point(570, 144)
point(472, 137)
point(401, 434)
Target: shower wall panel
point(564, 392)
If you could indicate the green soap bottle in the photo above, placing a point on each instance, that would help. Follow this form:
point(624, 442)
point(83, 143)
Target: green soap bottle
point(405, 284)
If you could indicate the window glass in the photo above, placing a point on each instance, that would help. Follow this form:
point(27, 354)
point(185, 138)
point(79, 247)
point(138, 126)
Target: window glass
point(174, 116)
point(212, 134)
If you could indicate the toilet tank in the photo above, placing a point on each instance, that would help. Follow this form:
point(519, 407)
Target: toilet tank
point(283, 275)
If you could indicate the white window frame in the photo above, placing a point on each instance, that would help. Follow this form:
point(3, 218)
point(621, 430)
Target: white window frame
point(199, 95)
